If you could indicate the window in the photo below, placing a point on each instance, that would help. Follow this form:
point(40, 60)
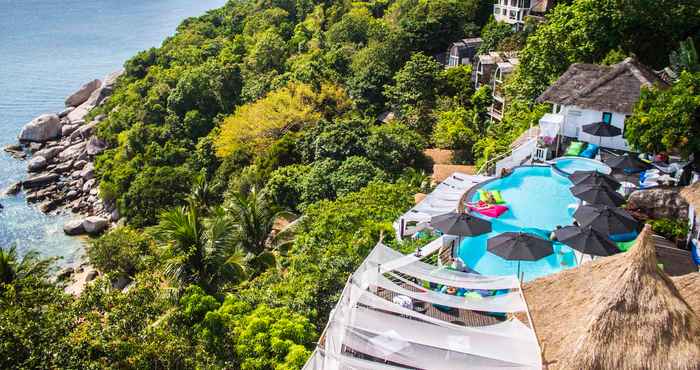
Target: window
point(607, 117)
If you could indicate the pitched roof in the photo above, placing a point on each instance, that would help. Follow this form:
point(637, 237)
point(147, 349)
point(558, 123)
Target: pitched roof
point(619, 312)
point(613, 88)
point(691, 194)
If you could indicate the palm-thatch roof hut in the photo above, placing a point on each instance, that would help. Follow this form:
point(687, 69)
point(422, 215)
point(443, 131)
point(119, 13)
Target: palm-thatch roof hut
point(619, 312)
point(689, 286)
point(615, 88)
point(691, 194)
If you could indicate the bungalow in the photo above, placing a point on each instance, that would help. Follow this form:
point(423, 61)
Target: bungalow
point(492, 69)
point(516, 11)
point(503, 69)
point(589, 93)
point(486, 65)
point(463, 52)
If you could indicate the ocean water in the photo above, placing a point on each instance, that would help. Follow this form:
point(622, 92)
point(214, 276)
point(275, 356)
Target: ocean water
point(48, 49)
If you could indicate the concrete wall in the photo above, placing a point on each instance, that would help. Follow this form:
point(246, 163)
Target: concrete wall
point(575, 118)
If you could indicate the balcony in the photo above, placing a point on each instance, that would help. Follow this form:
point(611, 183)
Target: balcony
point(510, 14)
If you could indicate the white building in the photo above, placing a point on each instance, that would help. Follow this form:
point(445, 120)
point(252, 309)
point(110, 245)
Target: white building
point(515, 11)
point(589, 93)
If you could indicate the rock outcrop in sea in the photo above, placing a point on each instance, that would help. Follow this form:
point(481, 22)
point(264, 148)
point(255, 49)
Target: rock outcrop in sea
point(61, 148)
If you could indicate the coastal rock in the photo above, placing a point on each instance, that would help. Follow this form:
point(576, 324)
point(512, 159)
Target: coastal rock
point(64, 113)
point(78, 165)
point(16, 151)
point(88, 185)
point(83, 93)
point(72, 151)
point(114, 216)
point(658, 203)
point(95, 146)
point(120, 283)
point(39, 181)
point(42, 128)
point(65, 273)
point(84, 132)
point(63, 167)
point(72, 195)
point(49, 206)
point(12, 189)
point(50, 153)
point(66, 130)
point(13, 148)
point(90, 276)
point(35, 147)
point(94, 225)
point(88, 172)
point(36, 164)
point(74, 227)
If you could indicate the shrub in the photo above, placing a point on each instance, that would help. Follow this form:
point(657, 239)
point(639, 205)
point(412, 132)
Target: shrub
point(123, 251)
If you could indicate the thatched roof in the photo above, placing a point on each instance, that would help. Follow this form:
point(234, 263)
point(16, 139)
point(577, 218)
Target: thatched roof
point(689, 286)
point(691, 194)
point(613, 88)
point(619, 312)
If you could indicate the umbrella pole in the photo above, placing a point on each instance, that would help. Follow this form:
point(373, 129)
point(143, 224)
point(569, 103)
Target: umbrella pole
point(519, 277)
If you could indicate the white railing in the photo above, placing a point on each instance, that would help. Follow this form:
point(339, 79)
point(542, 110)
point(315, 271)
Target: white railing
point(511, 159)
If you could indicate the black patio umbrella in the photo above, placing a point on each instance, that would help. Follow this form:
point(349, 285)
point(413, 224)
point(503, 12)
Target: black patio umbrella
point(597, 194)
point(586, 240)
point(606, 220)
point(594, 178)
point(626, 162)
point(602, 129)
point(460, 224)
point(519, 246)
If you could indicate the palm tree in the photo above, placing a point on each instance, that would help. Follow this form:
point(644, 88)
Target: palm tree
point(685, 58)
point(254, 220)
point(12, 268)
point(199, 250)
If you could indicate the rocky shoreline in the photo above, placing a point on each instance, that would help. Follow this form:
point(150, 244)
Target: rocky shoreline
point(60, 150)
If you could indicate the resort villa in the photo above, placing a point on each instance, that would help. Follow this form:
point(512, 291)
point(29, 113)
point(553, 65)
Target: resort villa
point(588, 93)
point(463, 52)
point(492, 69)
point(515, 12)
point(533, 262)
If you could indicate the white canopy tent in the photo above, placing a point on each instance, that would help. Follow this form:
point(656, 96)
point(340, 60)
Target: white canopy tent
point(367, 330)
point(443, 199)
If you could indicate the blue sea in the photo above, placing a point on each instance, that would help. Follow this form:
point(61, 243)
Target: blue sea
point(48, 48)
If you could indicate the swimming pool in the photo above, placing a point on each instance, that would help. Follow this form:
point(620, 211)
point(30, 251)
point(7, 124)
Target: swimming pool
point(538, 201)
point(569, 165)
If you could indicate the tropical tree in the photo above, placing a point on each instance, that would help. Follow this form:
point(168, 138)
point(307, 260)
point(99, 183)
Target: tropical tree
point(199, 250)
point(13, 268)
point(253, 219)
point(668, 119)
point(685, 58)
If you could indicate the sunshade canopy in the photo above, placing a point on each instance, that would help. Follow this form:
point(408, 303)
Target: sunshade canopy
point(460, 224)
point(519, 246)
point(605, 219)
point(586, 240)
point(594, 178)
point(602, 129)
point(626, 162)
point(597, 194)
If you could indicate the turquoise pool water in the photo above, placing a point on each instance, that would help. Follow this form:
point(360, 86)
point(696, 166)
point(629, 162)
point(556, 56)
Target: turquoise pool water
point(538, 201)
point(573, 164)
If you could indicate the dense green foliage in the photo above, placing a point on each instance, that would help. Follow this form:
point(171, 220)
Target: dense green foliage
point(668, 119)
point(263, 108)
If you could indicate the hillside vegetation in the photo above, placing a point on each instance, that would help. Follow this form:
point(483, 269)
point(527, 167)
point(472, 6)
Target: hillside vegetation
point(253, 176)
